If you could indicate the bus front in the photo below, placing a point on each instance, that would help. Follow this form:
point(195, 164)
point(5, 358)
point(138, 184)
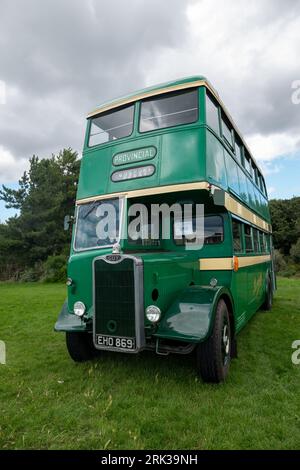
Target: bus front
point(133, 273)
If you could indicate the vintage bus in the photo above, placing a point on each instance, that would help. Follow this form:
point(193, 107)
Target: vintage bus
point(171, 143)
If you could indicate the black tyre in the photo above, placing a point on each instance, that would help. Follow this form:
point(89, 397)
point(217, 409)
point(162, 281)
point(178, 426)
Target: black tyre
point(80, 346)
point(213, 356)
point(268, 302)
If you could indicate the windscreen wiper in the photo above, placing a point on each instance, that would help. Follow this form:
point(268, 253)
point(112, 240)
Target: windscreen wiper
point(90, 209)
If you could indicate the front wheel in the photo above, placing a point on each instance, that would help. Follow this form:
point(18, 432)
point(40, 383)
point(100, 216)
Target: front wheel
point(213, 355)
point(80, 346)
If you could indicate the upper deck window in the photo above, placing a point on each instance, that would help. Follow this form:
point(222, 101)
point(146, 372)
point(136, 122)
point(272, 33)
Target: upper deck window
point(226, 130)
point(212, 115)
point(260, 180)
point(248, 165)
point(238, 150)
point(170, 110)
point(255, 173)
point(111, 125)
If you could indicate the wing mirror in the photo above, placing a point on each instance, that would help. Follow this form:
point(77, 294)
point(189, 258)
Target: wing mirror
point(67, 221)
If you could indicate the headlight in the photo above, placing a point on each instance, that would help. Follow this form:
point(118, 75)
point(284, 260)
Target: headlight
point(153, 313)
point(79, 308)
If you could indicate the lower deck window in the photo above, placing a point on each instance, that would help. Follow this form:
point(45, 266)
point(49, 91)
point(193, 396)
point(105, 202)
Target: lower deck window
point(237, 236)
point(213, 230)
point(248, 239)
point(255, 240)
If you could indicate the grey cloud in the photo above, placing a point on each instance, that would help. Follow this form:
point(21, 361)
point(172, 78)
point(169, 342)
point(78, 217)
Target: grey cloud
point(65, 57)
point(260, 98)
point(62, 58)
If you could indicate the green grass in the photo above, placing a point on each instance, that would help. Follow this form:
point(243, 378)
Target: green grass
point(144, 401)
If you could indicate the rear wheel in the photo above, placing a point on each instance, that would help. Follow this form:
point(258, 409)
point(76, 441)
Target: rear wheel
point(267, 305)
point(80, 346)
point(213, 356)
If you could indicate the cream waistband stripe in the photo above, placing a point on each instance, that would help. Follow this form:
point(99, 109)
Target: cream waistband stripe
point(172, 188)
point(231, 204)
point(226, 264)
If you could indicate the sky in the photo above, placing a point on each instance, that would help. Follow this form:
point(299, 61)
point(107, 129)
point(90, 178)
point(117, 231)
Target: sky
point(61, 58)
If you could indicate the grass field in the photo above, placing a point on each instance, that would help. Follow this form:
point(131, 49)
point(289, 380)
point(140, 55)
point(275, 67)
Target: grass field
point(145, 401)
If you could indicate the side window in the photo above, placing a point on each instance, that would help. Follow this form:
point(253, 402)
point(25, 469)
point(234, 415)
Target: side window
point(265, 189)
point(248, 239)
point(169, 110)
point(238, 151)
point(248, 165)
point(237, 236)
point(212, 115)
point(255, 173)
point(265, 243)
point(226, 131)
point(213, 230)
point(255, 240)
point(261, 185)
point(267, 238)
point(261, 242)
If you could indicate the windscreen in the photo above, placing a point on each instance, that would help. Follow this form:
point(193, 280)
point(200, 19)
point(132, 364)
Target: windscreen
point(97, 224)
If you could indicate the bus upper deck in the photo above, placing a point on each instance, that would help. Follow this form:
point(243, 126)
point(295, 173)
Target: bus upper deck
point(176, 134)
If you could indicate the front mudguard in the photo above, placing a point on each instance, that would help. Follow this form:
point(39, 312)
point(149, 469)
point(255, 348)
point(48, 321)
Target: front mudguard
point(191, 317)
point(68, 321)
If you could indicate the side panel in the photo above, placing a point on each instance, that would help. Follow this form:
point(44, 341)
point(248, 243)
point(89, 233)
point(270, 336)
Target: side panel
point(69, 321)
point(190, 318)
point(239, 288)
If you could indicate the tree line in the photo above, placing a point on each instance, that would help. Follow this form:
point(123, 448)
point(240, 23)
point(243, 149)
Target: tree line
point(34, 246)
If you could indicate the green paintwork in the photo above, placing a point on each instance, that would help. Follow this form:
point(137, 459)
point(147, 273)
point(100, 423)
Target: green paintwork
point(183, 154)
point(67, 322)
point(190, 317)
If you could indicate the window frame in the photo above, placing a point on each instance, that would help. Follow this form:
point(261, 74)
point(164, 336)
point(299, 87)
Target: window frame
point(261, 241)
point(245, 237)
point(247, 157)
point(225, 122)
point(110, 111)
point(121, 225)
point(239, 144)
point(240, 225)
point(255, 231)
point(208, 96)
point(255, 173)
point(204, 244)
point(164, 95)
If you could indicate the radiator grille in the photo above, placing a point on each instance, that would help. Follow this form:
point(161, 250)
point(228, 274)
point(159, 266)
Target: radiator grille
point(114, 298)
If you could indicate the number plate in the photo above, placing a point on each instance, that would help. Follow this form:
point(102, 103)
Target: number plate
point(115, 342)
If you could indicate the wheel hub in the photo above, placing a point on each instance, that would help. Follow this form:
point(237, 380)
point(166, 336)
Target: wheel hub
point(225, 343)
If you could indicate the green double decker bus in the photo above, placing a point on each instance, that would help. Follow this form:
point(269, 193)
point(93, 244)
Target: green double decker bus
point(171, 144)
